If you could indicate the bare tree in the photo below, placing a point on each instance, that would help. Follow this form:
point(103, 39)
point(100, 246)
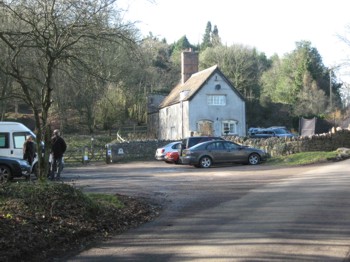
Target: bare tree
point(45, 37)
point(346, 36)
point(241, 64)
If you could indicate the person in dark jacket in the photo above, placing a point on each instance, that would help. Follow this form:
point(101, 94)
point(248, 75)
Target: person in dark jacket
point(58, 148)
point(29, 150)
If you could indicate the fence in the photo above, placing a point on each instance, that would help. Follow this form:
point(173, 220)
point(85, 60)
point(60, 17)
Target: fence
point(85, 155)
point(132, 130)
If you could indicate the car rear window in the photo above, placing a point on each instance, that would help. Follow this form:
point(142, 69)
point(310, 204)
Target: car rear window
point(176, 146)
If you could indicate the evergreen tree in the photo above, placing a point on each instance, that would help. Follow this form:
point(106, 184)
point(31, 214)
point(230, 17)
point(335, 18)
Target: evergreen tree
point(207, 37)
point(181, 45)
point(215, 38)
point(299, 79)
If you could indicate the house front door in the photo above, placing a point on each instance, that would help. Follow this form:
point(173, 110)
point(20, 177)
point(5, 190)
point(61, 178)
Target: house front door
point(205, 128)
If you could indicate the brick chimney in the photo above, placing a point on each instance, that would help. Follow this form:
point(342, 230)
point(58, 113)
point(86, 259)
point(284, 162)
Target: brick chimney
point(189, 64)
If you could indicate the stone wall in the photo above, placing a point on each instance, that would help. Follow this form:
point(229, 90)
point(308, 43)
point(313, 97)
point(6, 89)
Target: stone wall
point(133, 150)
point(145, 150)
point(285, 146)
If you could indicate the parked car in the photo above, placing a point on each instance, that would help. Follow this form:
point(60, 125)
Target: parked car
point(270, 132)
point(11, 167)
point(282, 132)
point(253, 130)
point(194, 140)
point(171, 147)
point(172, 157)
point(12, 137)
point(209, 153)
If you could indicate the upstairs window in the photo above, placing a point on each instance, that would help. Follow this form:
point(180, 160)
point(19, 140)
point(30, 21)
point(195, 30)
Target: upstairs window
point(216, 100)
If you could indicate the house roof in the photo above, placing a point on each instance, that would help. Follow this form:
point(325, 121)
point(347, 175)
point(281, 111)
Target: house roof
point(192, 85)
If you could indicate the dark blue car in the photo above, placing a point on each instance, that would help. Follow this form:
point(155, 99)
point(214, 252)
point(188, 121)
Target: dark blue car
point(13, 167)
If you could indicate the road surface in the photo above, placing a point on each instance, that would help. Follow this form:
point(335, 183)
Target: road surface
point(231, 213)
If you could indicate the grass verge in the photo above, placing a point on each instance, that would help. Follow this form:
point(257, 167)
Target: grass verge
point(304, 158)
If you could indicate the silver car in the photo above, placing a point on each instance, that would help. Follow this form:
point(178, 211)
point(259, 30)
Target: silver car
point(171, 147)
point(218, 152)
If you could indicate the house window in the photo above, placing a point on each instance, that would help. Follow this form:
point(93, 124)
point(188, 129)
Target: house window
point(205, 127)
point(229, 127)
point(216, 100)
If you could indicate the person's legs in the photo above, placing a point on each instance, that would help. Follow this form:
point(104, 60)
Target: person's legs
point(53, 168)
point(30, 160)
point(60, 164)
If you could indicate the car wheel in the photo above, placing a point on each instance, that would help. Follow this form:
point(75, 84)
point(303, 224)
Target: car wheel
point(254, 159)
point(5, 174)
point(205, 162)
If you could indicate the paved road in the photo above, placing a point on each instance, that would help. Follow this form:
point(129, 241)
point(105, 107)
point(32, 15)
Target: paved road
point(232, 213)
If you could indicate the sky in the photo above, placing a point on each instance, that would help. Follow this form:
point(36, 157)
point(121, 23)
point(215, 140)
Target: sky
point(270, 26)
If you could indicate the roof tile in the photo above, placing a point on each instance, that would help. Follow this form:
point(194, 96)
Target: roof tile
point(192, 85)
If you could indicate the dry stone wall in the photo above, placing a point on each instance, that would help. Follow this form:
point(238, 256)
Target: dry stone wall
point(284, 146)
point(145, 150)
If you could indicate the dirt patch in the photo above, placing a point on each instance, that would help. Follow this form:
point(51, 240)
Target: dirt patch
point(39, 236)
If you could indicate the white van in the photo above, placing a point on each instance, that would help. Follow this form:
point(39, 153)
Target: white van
point(12, 137)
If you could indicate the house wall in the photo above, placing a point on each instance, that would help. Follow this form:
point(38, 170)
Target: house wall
point(153, 125)
point(170, 122)
point(180, 120)
point(200, 110)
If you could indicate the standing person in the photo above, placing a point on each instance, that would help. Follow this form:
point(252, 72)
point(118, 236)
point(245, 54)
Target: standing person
point(29, 150)
point(58, 148)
